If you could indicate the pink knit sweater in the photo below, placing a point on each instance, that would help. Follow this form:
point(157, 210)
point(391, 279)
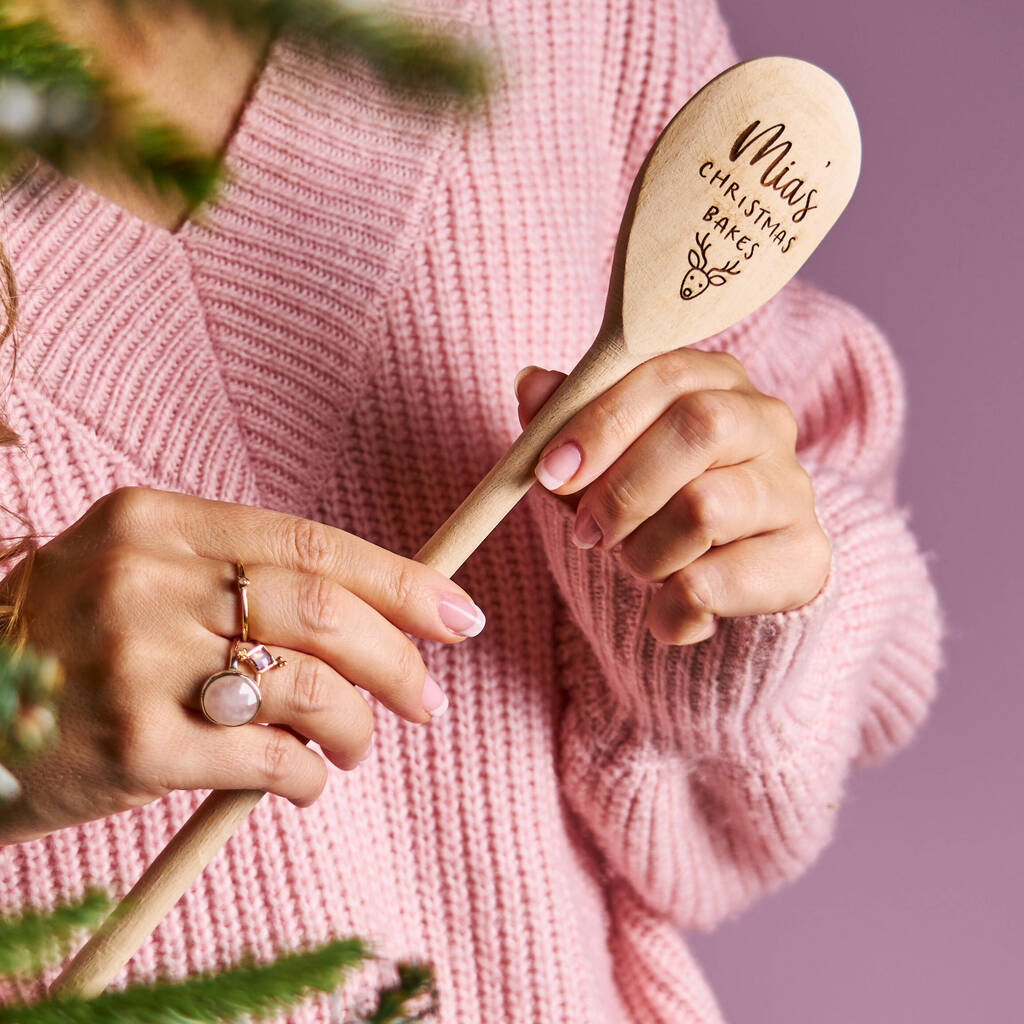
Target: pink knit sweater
point(337, 338)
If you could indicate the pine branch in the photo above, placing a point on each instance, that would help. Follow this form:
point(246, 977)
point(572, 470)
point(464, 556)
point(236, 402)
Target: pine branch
point(53, 102)
point(206, 999)
point(404, 55)
point(31, 939)
point(414, 981)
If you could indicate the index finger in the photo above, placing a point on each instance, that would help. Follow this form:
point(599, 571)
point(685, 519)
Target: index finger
point(415, 597)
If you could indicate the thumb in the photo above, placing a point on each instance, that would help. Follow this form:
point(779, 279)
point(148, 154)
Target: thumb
point(534, 386)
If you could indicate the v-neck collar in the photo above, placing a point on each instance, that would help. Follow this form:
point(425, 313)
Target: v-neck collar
point(256, 327)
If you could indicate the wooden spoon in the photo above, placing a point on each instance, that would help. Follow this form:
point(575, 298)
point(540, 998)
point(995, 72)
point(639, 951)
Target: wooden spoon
point(736, 193)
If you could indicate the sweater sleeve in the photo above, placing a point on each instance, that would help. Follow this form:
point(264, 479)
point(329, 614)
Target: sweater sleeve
point(707, 775)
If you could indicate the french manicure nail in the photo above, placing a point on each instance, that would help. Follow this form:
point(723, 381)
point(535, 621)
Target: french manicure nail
point(559, 466)
point(586, 533)
point(461, 616)
point(435, 703)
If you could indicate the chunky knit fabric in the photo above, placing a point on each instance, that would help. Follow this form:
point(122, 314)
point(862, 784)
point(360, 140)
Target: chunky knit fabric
point(337, 338)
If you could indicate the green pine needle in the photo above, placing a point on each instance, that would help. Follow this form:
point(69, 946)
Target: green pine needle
point(414, 980)
point(161, 154)
point(258, 990)
point(30, 940)
point(32, 51)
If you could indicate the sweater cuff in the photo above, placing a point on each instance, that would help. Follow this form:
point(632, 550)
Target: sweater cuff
point(737, 695)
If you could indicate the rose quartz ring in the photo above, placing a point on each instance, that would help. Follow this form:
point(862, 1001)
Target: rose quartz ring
point(232, 696)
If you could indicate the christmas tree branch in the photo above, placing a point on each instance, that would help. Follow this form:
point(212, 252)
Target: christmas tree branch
point(403, 54)
point(30, 940)
point(54, 103)
point(206, 999)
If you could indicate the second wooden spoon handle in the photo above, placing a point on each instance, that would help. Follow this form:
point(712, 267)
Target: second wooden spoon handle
point(164, 882)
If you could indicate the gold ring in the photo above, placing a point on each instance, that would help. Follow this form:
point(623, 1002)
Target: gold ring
point(243, 590)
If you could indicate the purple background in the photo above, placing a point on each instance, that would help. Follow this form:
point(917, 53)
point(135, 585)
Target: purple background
point(915, 912)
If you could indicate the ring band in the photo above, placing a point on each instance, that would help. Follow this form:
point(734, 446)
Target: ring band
point(232, 696)
point(243, 592)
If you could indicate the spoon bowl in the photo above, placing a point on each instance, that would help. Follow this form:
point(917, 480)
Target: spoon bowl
point(737, 192)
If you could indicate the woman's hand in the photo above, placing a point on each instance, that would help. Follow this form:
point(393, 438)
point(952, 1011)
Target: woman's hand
point(693, 472)
point(139, 601)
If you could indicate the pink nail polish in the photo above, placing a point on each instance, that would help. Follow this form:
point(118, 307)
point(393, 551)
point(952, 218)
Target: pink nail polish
point(559, 466)
point(461, 616)
point(435, 703)
point(586, 533)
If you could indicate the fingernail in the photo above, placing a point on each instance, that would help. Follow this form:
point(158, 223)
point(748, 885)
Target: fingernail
point(369, 751)
point(558, 466)
point(586, 533)
point(521, 374)
point(461, 616)
point(435, 703)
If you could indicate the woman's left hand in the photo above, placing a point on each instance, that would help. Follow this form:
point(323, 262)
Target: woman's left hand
point(693, 472)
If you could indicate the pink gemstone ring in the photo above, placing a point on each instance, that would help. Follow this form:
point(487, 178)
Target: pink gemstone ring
point(231, 697)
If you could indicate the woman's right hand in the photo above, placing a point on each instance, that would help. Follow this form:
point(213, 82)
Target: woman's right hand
point(139, 601)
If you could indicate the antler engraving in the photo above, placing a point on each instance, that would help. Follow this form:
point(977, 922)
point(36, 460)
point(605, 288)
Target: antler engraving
point(698, 277)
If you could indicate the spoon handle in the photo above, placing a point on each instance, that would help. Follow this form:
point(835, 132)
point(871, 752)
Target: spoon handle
point(153, 896)
point(164, 882)
point(510, 478)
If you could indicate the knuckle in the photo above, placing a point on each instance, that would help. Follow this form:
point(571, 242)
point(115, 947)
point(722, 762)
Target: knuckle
point(403, 587)
point(732, 366)
point(614, 499)
point(803, 488)
point(784, 419)
point(318, 607)
point(308, 542)
point(616, 420)
point(640, 561)
point(408, 664)
point(361, 728)
point(674, 370)
point(278, 758)
point(702, 509)
point(311, 690)
point(125, 511)
point(687, 592)
point(707, 418)
point(821, 551)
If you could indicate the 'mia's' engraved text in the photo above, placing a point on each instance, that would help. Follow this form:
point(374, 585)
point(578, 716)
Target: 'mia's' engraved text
point(791, 190)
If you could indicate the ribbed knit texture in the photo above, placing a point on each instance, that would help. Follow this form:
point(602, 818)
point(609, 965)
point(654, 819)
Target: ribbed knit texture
point(337, 338)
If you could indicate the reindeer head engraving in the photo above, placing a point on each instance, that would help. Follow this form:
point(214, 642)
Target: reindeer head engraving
point(698, 277)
